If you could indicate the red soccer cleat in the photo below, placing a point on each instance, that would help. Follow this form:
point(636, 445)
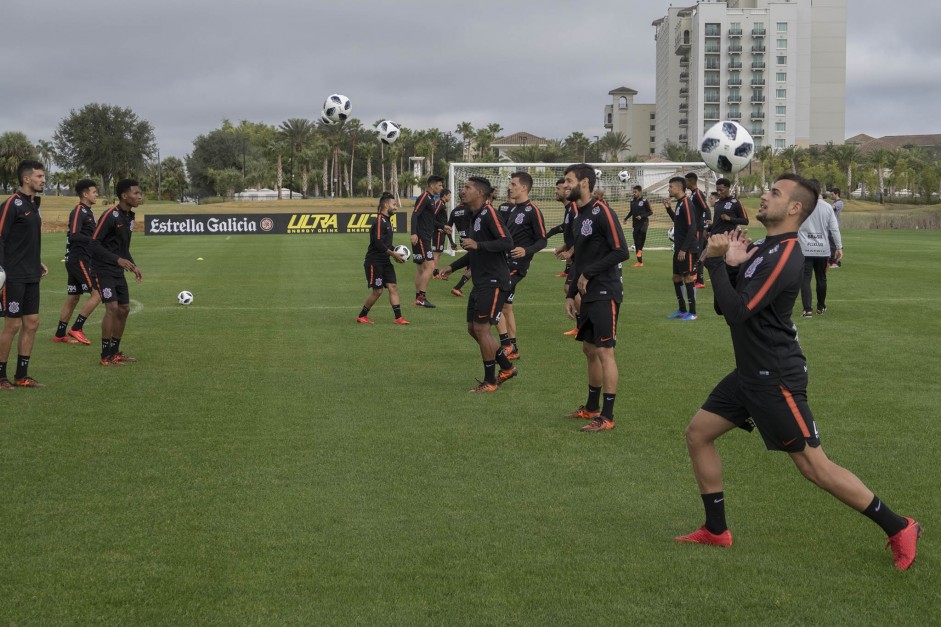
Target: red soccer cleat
point(401, 320)
point(65, 339)
point(27, 382)
point(364, 320)
point(484, 387)
point(79, 335)
point(584, 414)
point(904, 543)
point(505, 375)
point(704, 536)
point(572, 332)
point(457, 292)
point(600, 423)
point(111, 360)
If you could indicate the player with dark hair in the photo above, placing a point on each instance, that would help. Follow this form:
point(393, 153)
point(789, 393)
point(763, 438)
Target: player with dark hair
point(685, 248)
point(639, 217)
point(599, 251)
point(80, 247)
point(528, 229)
point(703, 219)
point(729, 213)
point(20, 249)
point(567, 249)
point(768, 388)
point(114, 234)
point(460, 223)
point(380, 273)
point(423, 229)
point(442, 230)
point(486, 246)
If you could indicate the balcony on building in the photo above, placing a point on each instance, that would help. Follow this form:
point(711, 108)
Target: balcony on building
point(735, 64)
point(758, 99)
point(713, 65)
point(757, 82)
point(713, 30)
point(711, 115)
point(712, 80)
point(711, 98)
point(735, 32)
point(712, 47)
point(683, 137)
point(733, 99)
point(681, 42)
point(758, 31)
point(735, 46)
point(757, 131)
point(757, 115)
point(734, 82)
point(684, 61)
point(757, 65)
point(735, 115)
point(684, 76)
point(683, 106)
point(758, 48)
point(684, 92)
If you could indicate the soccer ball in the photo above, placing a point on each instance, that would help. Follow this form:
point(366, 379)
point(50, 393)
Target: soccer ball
point(727, 147)
point(598, 174)
point(624, 176)
point(670, 234)
point(325, 120)
point(3, 277)
point(388, 131)
point(402, 251)
point(185, 297)
point(337, 107)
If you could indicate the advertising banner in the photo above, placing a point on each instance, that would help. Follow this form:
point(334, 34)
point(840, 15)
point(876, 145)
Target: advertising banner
point(264, 223)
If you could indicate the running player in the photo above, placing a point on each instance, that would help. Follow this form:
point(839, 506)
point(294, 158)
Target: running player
point(80, 246)
point(528, 229)
point(685, 248)
point(423, 229)
point(20, 247)
point(703, 219)
point(487, 246)
point(380, 273)
point(442, 230)
point(768, 387)
point(114, 233)
point(459, 221)
point(599, 251)
point(639, 217)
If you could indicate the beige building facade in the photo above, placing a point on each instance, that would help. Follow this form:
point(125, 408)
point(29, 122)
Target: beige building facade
point(637, 122)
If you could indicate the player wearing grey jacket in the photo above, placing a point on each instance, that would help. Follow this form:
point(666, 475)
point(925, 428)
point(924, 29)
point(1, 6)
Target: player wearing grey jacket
point(814, 238)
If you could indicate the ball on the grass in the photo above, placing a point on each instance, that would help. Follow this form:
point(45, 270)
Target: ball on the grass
point(185, 297)
point(403, 251)
point(727, 147)
point(388, 131)
point(337, 107)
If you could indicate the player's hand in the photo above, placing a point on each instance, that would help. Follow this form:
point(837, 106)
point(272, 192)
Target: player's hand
point(469, 244)
point(444, 272)
point(45, 270)
point(137, 274)
point(399, 258)
point(570, 310)
point(518, 252)
point(725, 217)
point(127, 264)
point(838, 254)
point(413, 239)
point(448, 229)
point(737, 251)
point(582, 284)
point(681, 255)
point(565, 255)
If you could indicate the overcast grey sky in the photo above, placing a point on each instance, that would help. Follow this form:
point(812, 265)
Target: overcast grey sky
point(543, 67)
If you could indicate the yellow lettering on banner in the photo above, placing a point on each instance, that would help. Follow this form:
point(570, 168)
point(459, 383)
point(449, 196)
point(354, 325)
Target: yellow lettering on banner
point(358, 221)
point(312, 222)
point(392, 220)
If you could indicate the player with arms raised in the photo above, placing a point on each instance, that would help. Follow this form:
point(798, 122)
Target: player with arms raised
point(768, 388)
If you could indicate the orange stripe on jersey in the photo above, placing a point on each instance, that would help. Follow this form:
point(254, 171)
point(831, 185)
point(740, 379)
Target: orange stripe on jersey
point(3, 214)
point(493, 307)
point(788, 249)
point(102, 221)
point(418, 203)
point(611, 223)
point(796, 412)
point(496, 220)
point(78, 211)
point(542, 225)
point(614, 321)
point(689, 211)
point(84, 269)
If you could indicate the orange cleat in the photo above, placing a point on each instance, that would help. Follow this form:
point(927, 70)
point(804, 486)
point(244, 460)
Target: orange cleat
point(457, 292)
point(27, 382)
point(6, 385)
point(639, 264)
point(78, 335)
point(572, 332)
point(401, 320)
point(904, 543)
point(600, 423)
point(110, 361)
point(125, 359)
point(483, 387)
point(364, 320)
point(65, 339)
point(584, 414)
point(704, 536)
point(505, 375)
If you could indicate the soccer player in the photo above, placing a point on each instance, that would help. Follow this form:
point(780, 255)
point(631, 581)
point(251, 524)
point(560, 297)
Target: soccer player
point(639, 217)
point(729, 213)
point(442, 230)
point(528, 229)
point(685, 248)
point(837, 205)
point(380, 273)
point(703, 219)
point(423, 229)
point(79, 248)
point(20, 247)
point(768, 387)
point(599, 251)
point(459, 221)
point(486, 247)
point(567, 249)
point(114, 233)
point(814, 237)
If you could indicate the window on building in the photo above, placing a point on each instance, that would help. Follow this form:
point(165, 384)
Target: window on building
point(780, 93)
point(622, 103)
point(653, 140)
point(782, 27)
point(782, 44)
point(780, 110)
point(609, 118)
point(652, 128)
point(781, 77)
point(653, 116)
point(779, 143)
point(782, 59)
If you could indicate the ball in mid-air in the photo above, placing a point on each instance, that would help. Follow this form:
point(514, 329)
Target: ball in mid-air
point(624, 176)
point(185, 297)
point(388, 131)
point(337, 107)
point(403, 251)
point(727, 147)
point(325, 120)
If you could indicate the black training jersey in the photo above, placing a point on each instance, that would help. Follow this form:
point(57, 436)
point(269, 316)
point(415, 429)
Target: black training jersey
point(423, 216)
point(599, 250)
point(528, 230)
point(441, 215)
point(21, 238)
point(114, 232)
point(80, 242)
point(380, 240)
point(460, 220)
point(640, 211)
point(758, 311)
point(701, 208)
point(488, 263)
point(685, 226)
point(728, 207)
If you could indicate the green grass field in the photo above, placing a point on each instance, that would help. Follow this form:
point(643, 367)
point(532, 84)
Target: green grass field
point(269, 461)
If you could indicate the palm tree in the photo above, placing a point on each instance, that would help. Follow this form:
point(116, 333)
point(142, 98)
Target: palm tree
point(576, 145)
point(465, 129)
point(369, 151)
point(612, 144)
point(794, 155)
point(296, 133)
point(764, 156)
point(354, 128)
point(47, 153)
point(14, 147)
point(880, 160)
point(846, 157)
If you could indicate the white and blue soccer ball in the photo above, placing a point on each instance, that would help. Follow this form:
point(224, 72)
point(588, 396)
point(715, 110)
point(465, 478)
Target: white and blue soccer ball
point(185, 297)
point(624, 176)
point(727, 147)
point(403, 251)
point(388, 132)
point(670, 234)
point(337, 107)
point(325, 120)
point(3, 277)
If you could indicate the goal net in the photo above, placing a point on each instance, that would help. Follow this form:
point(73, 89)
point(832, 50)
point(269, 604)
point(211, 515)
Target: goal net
point(654, 179)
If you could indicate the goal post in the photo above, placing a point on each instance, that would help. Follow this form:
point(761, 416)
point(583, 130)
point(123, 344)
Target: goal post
point(653, 177)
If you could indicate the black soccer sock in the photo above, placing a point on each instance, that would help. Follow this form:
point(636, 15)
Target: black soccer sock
point(607, 407)
point(640, 256)
point(79, 323)
point(115, 345)
point(60, 332)
point(715, 512)
point(397, 311)
point(490, 371)
point(105, 347)
point(462, 282)
point(594, 399)
point(504, 339)
point(363, 312)
point(503, 361)
point(22, 366)
point(691, 296)
point(3, 370)
point(879, 513)
point(681, 302)
point(515, 347)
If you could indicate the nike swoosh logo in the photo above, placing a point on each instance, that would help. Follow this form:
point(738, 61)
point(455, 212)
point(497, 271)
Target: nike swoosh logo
point(789, 442)
point(27, 213)
point(604, 339)
point(718, 500)
point(879, 506)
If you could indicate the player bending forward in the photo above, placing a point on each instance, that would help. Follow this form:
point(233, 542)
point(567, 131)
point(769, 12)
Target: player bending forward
point(768, 388)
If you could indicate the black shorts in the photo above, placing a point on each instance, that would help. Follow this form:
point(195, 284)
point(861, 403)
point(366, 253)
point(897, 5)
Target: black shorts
point(515, 278)
point(81, 280)
point(438, 242)
point(687, 266)
point(422, 252)
point(113, 288)
point(19, 299)
point(782, 416)
point(379, 274)
point(598, 323)
point(485, 305)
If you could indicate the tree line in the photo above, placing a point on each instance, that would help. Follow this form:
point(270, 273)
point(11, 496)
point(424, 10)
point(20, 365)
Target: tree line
point(309, 158)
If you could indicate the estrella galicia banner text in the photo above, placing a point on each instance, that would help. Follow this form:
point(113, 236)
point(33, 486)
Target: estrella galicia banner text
point(264, 223)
